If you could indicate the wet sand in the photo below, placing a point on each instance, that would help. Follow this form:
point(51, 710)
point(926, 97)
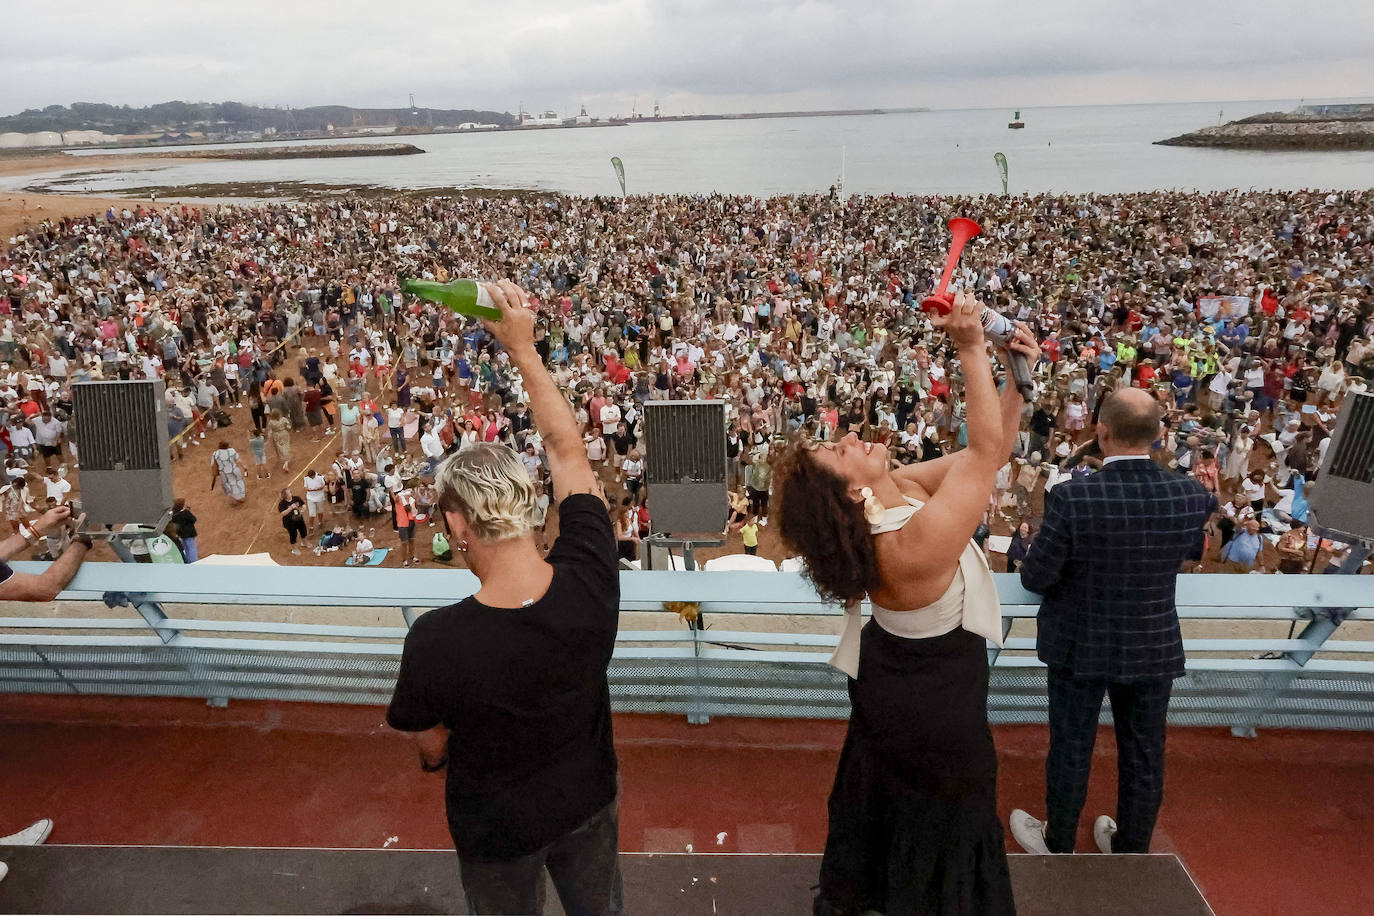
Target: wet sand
point(22, 208)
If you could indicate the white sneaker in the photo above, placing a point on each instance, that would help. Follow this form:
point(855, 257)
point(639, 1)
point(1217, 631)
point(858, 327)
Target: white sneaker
point(763, 522)
point(1104, 828)
point(32, 835)
point(4, 870)
point(1029, 833)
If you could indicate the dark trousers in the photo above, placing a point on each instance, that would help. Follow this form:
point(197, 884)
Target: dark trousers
point(758, 502)
point(584, 865)
point(1139, 710)
point(295, 527)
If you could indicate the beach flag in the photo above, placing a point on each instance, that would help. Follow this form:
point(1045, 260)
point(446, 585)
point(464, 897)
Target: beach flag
point(1001, 161)
point(619, 172)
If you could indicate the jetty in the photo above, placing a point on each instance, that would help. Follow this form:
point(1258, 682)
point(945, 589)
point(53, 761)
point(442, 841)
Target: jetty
point(1309, 127)
point(304, 151)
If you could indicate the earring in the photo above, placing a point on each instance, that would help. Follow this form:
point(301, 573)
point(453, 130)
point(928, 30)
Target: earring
point(462, 545)
point(873, 510)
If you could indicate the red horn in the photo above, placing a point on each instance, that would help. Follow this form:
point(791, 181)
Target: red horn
point(940, 302)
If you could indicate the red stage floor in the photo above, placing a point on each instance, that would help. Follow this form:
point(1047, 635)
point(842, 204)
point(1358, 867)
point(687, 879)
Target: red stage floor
point(1281, 824)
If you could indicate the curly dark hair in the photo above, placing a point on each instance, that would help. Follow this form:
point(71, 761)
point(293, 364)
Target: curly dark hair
point(817, 519)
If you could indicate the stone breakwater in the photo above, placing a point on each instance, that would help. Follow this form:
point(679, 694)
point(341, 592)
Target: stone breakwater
point(332, 151)
point(1279, 131)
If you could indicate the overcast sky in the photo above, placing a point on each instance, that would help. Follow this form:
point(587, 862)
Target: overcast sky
point(689, 55)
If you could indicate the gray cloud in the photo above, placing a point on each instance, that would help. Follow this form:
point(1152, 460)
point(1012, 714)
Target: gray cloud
point(693, 55)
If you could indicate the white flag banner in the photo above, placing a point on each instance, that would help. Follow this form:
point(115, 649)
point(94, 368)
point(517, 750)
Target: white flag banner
point(1223, 307)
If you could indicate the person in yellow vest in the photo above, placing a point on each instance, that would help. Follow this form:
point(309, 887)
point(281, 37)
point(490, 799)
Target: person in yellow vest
point(1125, 352)
point(750, 531)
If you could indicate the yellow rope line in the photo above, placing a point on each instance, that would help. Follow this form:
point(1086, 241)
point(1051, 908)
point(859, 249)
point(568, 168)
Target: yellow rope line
point(299, 475)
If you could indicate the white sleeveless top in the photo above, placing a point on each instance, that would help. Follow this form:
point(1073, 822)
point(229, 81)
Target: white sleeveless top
point(970, 601)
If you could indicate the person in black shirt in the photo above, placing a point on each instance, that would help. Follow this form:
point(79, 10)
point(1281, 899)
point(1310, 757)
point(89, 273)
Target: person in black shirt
point(292, 518)
point(506, 690)
point(907, 403)
point(1041, 427)
point(184, 520)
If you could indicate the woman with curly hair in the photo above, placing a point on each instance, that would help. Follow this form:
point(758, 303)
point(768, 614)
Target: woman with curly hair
point(913, 820)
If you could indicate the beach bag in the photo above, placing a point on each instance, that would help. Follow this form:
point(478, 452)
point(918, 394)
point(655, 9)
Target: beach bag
point(440, 547)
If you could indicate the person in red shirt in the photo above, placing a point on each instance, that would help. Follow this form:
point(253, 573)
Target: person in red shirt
point(1269, 303)
point(1145, 374)
point(1051, 348)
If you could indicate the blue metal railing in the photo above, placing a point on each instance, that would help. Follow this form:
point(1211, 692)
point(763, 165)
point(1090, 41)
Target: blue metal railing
point(236, 632)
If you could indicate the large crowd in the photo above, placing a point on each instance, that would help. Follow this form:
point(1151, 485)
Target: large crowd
point(1248, 314)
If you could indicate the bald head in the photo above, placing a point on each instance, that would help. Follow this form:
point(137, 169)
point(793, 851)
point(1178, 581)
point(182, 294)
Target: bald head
point(1129, 421)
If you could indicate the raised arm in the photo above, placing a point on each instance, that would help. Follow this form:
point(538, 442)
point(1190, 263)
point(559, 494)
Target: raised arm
point(930, 544)
point(929, 475)
point(552, 414)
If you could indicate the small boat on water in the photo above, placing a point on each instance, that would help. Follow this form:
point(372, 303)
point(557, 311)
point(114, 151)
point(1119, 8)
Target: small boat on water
point(1016, 122)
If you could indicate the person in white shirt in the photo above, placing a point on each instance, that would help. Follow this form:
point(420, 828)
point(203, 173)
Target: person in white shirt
point(57, 487)
point(396, 421)
point(47, 433)
point(432, 446)
point(610, 416)
point(314, 496)
point(21, 439)
point(596, 449)
point(362, 552)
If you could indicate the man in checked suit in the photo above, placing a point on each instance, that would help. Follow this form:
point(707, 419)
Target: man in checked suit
point(1106, 561)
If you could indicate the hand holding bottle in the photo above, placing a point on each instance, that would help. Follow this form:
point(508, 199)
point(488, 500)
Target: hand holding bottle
point(466, 297)
point(514, 326)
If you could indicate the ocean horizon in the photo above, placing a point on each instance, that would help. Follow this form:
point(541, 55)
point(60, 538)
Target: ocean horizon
point(1063, 149)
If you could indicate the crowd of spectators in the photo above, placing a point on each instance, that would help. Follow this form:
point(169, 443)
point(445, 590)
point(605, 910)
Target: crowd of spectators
point(1247, 314)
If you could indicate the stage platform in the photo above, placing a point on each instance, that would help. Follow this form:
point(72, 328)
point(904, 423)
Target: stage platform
point(194, 880)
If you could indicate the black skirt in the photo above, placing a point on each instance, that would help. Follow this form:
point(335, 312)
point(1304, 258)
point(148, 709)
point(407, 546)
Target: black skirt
point(914, 827)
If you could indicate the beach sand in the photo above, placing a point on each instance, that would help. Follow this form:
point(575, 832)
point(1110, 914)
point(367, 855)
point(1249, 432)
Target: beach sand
point(20, 209)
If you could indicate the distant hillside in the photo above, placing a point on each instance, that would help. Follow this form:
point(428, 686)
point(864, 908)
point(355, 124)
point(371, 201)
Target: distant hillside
point(234, 117)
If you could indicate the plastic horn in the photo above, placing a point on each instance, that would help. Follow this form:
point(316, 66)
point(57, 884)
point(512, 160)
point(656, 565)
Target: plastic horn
point(962, 229)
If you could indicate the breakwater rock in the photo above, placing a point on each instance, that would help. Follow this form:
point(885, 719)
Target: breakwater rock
point(1285, 131)
point(330, 151)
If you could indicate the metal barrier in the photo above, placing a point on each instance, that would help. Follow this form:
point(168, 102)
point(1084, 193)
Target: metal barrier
point(764, 653)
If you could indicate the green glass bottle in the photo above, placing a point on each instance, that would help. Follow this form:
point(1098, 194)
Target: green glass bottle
point(466, 297)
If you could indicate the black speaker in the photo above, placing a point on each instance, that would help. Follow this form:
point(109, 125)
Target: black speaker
point(1342, 501)
point(126, 469)
point(684, 465)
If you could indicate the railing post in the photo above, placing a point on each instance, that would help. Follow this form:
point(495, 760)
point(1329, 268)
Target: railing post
point(696, 713)
point(1322, 622)
point(155, 617)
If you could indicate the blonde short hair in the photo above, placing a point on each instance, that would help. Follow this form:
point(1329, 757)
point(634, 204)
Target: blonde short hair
point(488, 485)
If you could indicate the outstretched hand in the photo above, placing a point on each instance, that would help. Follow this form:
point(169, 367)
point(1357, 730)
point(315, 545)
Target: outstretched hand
point(515, 330)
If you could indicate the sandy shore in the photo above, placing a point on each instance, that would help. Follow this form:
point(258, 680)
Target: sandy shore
point(18, 209)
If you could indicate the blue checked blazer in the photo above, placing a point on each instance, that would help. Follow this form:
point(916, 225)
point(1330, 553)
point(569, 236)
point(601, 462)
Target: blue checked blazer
point(1106, 561)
